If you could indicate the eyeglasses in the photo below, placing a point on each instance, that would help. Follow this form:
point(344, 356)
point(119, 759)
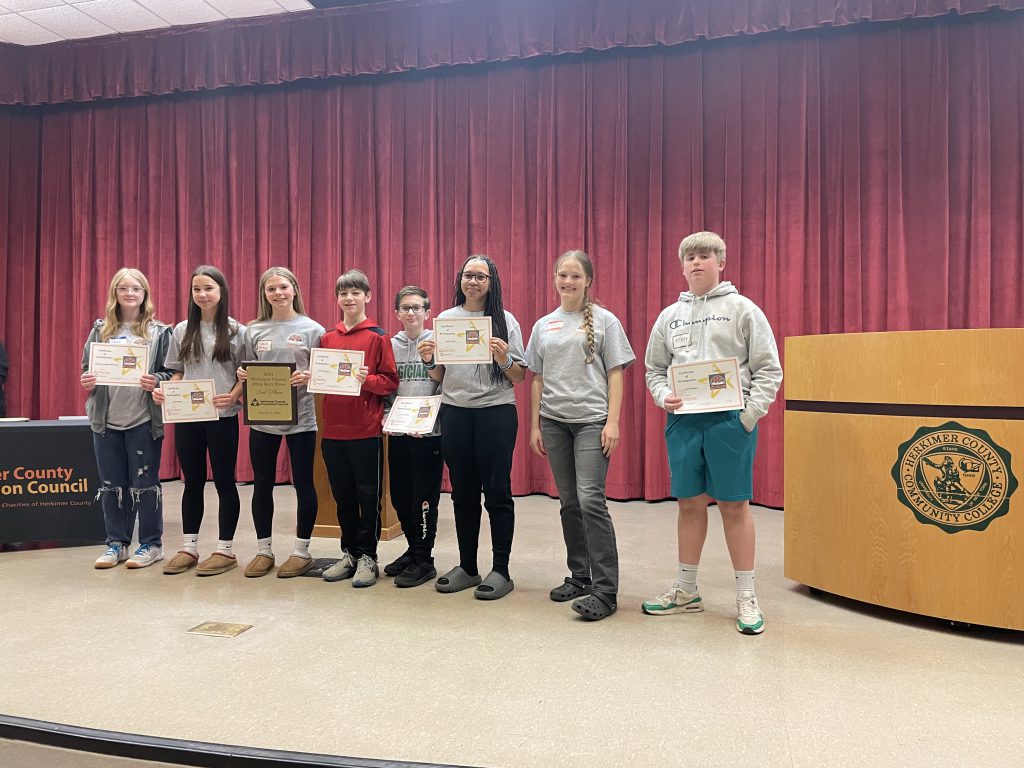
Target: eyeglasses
point(475, 277)
point(415, 310)
point(130, 289)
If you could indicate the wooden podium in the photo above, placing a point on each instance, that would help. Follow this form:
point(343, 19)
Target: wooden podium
point(902, 457)
point(327, 514)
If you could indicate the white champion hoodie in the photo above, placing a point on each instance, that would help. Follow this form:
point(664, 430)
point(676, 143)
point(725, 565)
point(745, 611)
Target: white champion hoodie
point(720, 324)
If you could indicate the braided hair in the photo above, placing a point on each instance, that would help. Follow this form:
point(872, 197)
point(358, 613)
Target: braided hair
point(493, 307)
point(583, 260)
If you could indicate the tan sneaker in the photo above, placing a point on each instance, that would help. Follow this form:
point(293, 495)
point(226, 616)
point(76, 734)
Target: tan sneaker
point(216, 563)
point(260, 565)
point(181, 562)
point(294, 566)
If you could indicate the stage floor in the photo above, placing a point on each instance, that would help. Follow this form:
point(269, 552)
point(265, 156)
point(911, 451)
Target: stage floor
point(412, 674)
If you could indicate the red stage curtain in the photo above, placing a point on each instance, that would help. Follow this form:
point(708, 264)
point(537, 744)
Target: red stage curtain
point(402, 36)
point(864, 179)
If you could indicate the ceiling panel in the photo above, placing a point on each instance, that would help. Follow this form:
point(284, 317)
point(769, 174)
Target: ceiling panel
point(68, 22)
point(18, 29)
point(238, 9)
point(121, 15)
point(34, 22)
point(183, 11)
point(31, 5)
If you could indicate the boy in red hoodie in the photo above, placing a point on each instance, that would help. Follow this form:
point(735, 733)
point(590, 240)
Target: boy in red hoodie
point(352, 446)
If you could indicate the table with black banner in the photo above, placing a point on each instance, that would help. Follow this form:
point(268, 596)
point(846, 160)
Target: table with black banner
point(48, 484)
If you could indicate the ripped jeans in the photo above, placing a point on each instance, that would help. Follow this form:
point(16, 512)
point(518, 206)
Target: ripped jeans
point(129, 466)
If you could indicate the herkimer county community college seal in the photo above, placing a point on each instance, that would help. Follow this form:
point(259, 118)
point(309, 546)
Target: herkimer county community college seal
point(953, 477)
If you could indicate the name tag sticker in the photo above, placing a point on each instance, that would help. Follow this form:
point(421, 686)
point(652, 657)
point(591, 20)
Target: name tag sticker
point(681, 340)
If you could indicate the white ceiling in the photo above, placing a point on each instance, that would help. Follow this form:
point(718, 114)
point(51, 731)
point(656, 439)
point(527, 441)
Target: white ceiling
point(34, 22)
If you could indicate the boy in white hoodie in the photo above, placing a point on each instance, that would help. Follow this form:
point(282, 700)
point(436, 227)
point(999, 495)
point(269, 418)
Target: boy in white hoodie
point(712, 454)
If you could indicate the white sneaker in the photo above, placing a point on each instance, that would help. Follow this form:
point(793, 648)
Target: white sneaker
point(366, 572)
point(750, 621)
point(674, 600)
point(341, 570)
point(145, 555)
point(114, 554)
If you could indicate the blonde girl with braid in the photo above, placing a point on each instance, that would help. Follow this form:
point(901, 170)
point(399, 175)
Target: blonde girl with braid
point(577, 355)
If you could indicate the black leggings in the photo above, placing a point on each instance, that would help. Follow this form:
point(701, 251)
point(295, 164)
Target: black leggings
point(192, 442)
point(263, 450)
point(478, 445)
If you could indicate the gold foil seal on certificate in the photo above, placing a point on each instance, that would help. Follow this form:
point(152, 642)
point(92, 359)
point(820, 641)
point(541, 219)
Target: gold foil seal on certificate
point(268, 394)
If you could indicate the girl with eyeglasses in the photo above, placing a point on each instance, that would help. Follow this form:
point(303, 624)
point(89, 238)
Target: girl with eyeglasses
point(127, 426)
point(577, 355)
point(478, 430)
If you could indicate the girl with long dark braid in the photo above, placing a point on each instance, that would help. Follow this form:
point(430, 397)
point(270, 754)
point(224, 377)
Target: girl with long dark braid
point(478, 430)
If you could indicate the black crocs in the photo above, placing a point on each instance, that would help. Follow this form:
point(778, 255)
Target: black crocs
point(595, 607)
point(569, 590)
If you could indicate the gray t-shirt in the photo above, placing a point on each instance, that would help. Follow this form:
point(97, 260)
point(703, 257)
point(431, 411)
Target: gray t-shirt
point(128, 405)
point(222, 373)
point(574, 391)
point(286, 341)
point(470, 386)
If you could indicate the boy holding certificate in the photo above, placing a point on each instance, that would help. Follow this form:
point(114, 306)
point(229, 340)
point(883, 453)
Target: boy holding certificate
point(711, 452)
point(352, 446)
point(415, 460)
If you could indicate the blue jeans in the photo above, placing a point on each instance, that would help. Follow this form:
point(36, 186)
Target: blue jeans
point(129, 466)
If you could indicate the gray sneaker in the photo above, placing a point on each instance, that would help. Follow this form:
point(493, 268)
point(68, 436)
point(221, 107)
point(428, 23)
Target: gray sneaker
point(145, 556)
point(341, 570)
point(366, 572)
point(114, 554)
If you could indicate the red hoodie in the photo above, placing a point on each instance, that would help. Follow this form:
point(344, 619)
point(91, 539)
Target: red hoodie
point(356, 418)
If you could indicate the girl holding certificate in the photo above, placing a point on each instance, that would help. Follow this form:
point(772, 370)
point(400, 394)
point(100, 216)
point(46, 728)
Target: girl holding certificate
point(127, 426)
point(282, 333)
point(478, 430)
point(208, 345)
point(577, 355)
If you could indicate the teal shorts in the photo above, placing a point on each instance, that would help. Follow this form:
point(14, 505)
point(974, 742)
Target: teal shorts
point(710, 453)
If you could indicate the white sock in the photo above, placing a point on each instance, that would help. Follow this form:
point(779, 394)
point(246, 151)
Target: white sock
point(301, 548)
point(745, 584)
point(224, 547)
point(686, 580)
point(263, 547)
point(190, 543)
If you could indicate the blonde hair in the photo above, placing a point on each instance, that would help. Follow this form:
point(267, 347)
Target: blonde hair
point(112, 318)
point(702, 242)
point(266, 311)
point(587, 308)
